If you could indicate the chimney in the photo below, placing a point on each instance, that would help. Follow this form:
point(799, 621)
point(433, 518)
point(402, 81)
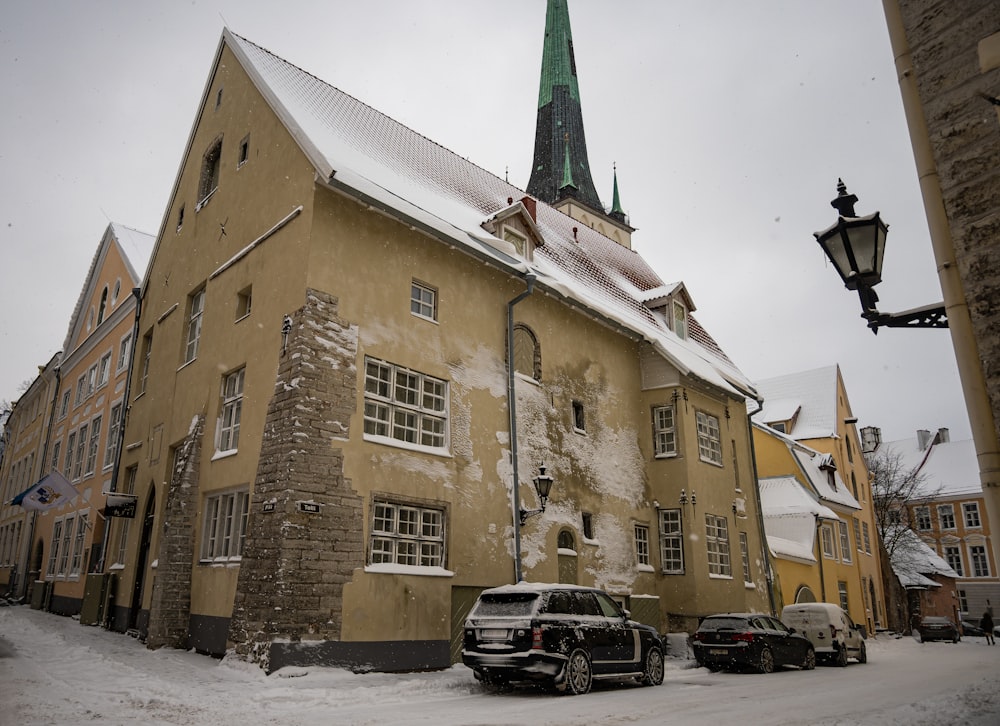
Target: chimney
point(923, 439)
point(532, 206)
point(943, 436)
point(871, 437)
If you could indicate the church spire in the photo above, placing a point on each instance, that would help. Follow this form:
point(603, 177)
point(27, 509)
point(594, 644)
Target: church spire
point(616, 213)
point(560, 145)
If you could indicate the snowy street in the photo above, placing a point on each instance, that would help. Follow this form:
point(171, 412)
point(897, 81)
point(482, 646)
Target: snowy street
point(55, 671)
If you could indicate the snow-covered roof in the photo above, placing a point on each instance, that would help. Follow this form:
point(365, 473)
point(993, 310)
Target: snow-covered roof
point(950, 468)
point(838, 493)
point(913, 561)
point(813, 394)
point(363, 152)
point(136, 247)
point(790, 513)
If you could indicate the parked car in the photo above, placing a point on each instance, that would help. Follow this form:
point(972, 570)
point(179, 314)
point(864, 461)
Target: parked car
point(753, 640)
point(936, 627)
point(972, 629)
point(831, 631)
point(562, 635)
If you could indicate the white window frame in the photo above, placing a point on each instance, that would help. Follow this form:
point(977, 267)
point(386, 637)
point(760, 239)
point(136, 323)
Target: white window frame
point(826, 538)
point(845, 542)
point(867, 538)
point(664, 432)
point(124, 352)
point(857, 534)
point(196, 313)
point(842, 592)
point(232, 410)
point(64, 546)
point(671, 542)
point(953, 556)
point(93, 444)
point(104, 370)
point(224, 526)
point(404, 407)
point(114, 424)
point(76, 561)
point(81, 451)
point(91, 380)
point(709, 438)
point(64, 407)
point(980, 561)
point(922, 516)
point(147, 353)
point(971, 516)
point(54, 549)
point(679, 319)
point(70, 451)
point(423, 301)
point(642, 545)
point(405, 533)
point(946, 514)
point(81, 390)
point(717, 546)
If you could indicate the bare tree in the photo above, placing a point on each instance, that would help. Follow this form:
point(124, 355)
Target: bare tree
point(894, 486)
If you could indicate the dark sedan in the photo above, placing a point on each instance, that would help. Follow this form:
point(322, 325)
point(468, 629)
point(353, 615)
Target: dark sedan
point(750, 640)
point(936, 627)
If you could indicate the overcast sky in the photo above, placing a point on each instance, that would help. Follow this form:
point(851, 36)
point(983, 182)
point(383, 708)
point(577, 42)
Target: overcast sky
point(729, 121)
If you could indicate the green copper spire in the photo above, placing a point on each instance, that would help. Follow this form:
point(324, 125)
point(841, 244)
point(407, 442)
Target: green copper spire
point(560, 144)
point(616, 202)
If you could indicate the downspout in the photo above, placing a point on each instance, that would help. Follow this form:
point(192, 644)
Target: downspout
point(515, 504)
point(819, 557)
point(126, 407)
point(768, 571)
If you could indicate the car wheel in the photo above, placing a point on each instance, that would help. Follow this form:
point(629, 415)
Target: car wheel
point(578, 674)
point(765, 662)
point(842, 657)
point(863, 654)
point(810, 662)
point(653, 673)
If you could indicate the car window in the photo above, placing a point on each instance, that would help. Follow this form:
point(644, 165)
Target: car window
point(559, 603)
point(515, 604)
point(723, 624)
point(609, 607)
point(584, 603)
point(777, 625)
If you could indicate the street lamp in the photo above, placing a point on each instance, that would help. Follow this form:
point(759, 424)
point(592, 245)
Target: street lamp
point(543, 485)
point(856, 245)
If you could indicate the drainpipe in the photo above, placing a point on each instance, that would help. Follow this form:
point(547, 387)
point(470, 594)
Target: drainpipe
point(768, 572)
point(515, 500)
point(819, 556)
point(113, 486)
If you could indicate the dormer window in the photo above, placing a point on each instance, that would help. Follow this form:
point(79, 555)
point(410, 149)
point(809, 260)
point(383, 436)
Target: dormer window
point(515, 227)
point(680, 319)
point(519, 241)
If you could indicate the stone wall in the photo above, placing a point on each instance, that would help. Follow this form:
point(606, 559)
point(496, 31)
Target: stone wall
point(305, 534)
point(955, 46)
point(170, 610)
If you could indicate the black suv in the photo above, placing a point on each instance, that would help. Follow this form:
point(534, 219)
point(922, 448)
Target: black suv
point(559, 634)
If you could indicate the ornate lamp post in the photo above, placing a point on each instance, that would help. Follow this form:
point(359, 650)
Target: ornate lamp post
point(543, 485)
point(855, 245)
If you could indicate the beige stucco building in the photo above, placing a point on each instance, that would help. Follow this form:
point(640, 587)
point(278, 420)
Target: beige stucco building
point(321, 431)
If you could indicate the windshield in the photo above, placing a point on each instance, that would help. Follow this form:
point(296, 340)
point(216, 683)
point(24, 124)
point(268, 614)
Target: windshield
point(723, 624)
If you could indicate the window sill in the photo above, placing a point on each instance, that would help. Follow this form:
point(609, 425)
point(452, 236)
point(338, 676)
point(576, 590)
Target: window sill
point(644, 568)
point(398, 444)
point(709, 461)
point(117, 567)
point(186, 363)
point(221, 562)
point(424, 317)
point(208, 197)
point(526, 378)
point(582, 432)
point(566, 551)
point(241, 318)
point(672, 455)
point(672, 572)
point(394, 569)
point(719, 577)
point(224, 454)
point(749, 585)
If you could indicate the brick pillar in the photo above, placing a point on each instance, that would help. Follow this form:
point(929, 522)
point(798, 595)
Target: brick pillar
point(304, 536)
point(170, 610)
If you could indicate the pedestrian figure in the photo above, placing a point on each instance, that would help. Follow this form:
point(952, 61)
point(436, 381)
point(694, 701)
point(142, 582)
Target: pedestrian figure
point(986, 623)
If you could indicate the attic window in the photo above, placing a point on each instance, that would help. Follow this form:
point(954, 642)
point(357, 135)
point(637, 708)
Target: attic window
point(244, 151)
point(780, 427)
point(218, 99)
point(209, 181)
point(680, 319)
point(180, 218)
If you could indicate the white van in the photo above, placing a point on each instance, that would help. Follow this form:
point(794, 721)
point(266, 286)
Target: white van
point(831, 631)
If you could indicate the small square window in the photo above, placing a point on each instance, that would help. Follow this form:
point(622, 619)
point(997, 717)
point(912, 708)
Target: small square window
point(244, 302)
point(423, 301)
point(579, 419)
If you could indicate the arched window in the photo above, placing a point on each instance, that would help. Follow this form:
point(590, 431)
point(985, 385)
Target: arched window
point(527, 353)
point(103, 306)
point(566, 540)
point(805, 594)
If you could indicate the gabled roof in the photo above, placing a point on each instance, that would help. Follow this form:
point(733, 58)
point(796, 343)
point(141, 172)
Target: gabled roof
point(135, 248)
point(950, 468)
point(813, 392)
point(914, 562)
point(360, 151)
point(790, 514)
point(819, 478)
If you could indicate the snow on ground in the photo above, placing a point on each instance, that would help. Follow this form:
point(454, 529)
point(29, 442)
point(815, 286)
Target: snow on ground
point(55, 671)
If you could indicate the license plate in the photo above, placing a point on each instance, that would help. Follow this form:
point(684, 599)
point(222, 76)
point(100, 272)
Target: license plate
point(718, 651)
point(494, 634)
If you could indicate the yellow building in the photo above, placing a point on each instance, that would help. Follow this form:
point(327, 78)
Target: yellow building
point(809, 438)
point(22, 464)
point(323, 438)
point(86, 428)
